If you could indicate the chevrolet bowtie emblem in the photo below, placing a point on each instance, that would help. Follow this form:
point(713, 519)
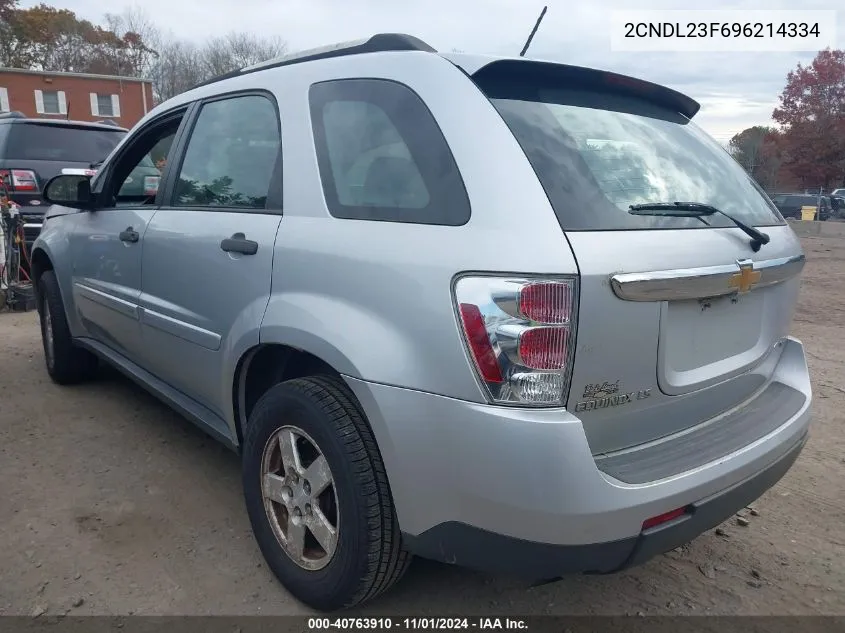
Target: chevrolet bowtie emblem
point(745, 279)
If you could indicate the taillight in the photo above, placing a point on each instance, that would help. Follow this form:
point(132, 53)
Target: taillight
point(544, 347)
point(519, 334)
point(19, 180)
point(546, 302)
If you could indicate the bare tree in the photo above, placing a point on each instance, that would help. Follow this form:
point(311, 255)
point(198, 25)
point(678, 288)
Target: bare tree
point(180, 64)
point(131, 26)
point(236, 50)
point(178, 68)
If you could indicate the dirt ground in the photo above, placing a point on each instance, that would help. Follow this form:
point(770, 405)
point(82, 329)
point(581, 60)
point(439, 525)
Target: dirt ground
point(112, 504)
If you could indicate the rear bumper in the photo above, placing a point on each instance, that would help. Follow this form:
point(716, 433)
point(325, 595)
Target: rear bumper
point(32, 225)
point(519, 490)
point(32, 229)
point(476, 548)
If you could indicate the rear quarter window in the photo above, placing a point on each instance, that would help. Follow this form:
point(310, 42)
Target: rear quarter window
point(382, 156)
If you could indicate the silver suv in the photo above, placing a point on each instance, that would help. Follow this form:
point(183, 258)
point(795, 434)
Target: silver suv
point(508, 314)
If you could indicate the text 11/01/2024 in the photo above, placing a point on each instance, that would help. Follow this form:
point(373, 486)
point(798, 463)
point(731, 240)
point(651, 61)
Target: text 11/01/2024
point(417, 623)
point(722, 31)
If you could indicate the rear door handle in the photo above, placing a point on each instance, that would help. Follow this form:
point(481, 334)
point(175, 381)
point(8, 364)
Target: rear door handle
point(129, 235)
point(239, 244)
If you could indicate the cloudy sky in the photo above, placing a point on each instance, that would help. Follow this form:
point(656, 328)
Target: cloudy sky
point(736, 90)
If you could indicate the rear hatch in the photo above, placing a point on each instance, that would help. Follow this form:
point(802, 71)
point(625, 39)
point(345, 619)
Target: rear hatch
point(34, 151)
point(678, 316)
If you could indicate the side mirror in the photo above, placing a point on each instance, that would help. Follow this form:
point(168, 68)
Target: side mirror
point(70, 190)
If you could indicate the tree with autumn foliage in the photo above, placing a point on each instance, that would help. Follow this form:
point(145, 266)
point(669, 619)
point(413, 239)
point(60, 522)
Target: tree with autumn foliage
point(811, 114)
point(46, 38)
point(127, 44)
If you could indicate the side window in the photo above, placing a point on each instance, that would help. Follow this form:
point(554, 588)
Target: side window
point(231, 156)
point(382, 155)
point(136, 178)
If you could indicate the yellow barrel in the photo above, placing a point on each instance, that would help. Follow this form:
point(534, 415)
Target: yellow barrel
point(808, 213)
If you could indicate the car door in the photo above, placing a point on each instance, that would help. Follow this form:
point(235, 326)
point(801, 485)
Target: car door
point(107, 245)
point(208, 252)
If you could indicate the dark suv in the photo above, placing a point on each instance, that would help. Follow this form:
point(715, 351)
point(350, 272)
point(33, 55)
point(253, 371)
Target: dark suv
point(34, 150)
point(789, 205)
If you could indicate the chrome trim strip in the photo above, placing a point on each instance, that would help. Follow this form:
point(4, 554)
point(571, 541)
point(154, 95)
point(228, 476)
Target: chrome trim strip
point(180, 329)
point(700, 283)
point(32, 225)
point(108, 301)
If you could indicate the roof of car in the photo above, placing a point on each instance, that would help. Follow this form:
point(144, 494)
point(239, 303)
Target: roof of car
point(18, 117)
point(481, 65)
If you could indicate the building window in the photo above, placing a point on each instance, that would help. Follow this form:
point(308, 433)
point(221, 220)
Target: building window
point(50, 102)
point(105, 105)
point(4, 100)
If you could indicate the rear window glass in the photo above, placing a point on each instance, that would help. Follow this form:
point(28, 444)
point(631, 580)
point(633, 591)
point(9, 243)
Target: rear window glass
point(32, 141)
point(596, 154)
point(798, 201)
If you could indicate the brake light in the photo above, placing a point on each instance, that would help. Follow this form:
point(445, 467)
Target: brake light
point(519, 334)
point(19, 180)
point(549, 302)
point(544, 347)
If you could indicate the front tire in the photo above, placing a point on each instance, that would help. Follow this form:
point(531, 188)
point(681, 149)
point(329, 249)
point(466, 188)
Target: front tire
point(317, 495)
point(66, 363)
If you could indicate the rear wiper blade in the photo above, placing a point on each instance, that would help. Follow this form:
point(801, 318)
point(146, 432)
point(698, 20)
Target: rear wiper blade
point(697, 210)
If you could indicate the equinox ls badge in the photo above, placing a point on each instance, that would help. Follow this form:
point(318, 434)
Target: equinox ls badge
point(607, 394)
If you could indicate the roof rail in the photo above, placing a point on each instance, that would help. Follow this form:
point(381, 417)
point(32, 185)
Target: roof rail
point(14, 114)
point(381, 42)
point(107, 122)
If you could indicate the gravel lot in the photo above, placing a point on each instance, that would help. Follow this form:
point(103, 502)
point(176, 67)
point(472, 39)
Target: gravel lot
point(111, 504)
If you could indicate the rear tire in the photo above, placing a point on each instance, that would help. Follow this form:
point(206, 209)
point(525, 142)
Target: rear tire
point(322, 416)
point(66, 363)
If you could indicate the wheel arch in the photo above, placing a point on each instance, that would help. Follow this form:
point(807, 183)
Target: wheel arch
point(41, 262)
point(267, 364)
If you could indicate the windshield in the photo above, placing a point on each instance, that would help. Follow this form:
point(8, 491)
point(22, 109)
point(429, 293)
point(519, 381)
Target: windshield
point(62, 143)
point(596, 154)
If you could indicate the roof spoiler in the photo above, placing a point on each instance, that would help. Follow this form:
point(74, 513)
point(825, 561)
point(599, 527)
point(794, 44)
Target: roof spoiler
point(522, 69)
